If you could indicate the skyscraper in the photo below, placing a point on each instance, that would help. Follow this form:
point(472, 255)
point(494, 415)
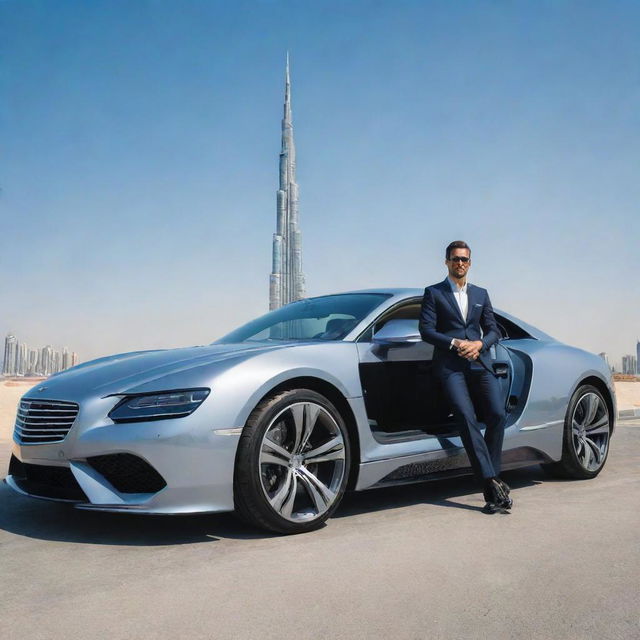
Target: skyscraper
point(638, 357)
point(629, 365)
point(22, 360)
point(286, 282)
point(66, 359)
point(33, 362)
point(10, 355)
point(47, 360)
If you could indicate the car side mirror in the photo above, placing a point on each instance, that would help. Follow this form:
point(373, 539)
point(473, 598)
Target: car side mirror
point(398, 332)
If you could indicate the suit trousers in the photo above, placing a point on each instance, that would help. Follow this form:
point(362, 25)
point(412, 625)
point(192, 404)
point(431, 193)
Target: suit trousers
point(484, 453)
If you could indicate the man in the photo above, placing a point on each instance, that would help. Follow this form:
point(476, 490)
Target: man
point(457, 319)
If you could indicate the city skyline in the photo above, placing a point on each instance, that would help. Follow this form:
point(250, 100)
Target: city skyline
point(141, 177)
point(628, 363)
point(22, 361)
point(631, 362)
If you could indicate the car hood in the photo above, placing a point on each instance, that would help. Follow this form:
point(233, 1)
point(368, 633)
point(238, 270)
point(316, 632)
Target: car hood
point(145, 370)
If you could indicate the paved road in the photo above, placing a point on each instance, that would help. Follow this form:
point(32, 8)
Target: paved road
point(409, 562)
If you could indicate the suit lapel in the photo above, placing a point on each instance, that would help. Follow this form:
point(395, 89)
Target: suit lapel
point(451, 299)
point(471, 300)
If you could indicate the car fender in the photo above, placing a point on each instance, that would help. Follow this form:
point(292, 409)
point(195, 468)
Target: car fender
point(238, 390)
point(557, 371)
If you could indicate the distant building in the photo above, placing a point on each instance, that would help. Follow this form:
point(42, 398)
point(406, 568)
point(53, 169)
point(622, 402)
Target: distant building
point(286, 283)
point(33, 362)
point(46, 363)
point(638, 356)
point(20, 360)
point(629, 365)
point(10, 355)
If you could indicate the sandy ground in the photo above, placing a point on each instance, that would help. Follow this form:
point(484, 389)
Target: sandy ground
point(10, 394)
point(627, 393)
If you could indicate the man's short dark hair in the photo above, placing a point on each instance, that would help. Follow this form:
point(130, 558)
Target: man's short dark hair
point(457, 244)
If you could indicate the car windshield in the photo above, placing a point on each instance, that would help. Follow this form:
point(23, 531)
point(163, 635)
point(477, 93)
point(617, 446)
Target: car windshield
point(323, 318)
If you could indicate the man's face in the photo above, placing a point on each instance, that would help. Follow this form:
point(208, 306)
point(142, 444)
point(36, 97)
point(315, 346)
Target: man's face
point(458, 263)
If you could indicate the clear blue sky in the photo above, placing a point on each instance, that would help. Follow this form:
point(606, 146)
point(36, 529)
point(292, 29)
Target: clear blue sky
point(140, 145)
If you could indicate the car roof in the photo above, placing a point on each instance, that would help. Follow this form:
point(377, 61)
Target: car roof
point(396, 292)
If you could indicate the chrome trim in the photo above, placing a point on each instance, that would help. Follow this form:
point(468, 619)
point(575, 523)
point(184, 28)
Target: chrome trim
point(31, 416)
point(42, 424)
point(544, 425)
point(180, 414)
point(47, 433)
point(49, 411)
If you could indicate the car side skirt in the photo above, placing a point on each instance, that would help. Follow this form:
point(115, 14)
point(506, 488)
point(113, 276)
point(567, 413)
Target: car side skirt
point(421, 468)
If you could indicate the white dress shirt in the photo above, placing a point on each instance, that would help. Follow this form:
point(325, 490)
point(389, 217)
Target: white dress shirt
point(460, 294)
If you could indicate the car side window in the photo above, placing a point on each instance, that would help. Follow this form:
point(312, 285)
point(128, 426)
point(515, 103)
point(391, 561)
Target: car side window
point(510, 330)
point(504, 335)
point(410, 311)
point(333, 327)
point(330, 327)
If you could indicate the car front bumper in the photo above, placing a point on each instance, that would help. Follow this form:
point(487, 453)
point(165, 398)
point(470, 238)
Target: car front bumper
point(177, 466)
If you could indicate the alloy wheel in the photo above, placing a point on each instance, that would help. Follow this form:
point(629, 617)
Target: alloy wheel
point(590, 431)
point(302, 461)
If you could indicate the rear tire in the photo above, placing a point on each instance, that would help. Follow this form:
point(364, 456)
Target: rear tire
point(292, 463)
point(585, 441)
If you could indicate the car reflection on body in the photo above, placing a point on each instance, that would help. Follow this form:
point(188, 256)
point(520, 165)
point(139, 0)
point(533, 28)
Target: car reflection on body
point(277, 419)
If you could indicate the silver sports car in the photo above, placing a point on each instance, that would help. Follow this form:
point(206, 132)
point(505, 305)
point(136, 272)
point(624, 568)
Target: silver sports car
point(277, 419)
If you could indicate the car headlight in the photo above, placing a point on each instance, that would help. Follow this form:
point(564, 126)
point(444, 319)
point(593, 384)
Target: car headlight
point(158, 406)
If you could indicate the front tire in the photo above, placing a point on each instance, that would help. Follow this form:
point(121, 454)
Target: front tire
point(585, 443)
point(292, 463)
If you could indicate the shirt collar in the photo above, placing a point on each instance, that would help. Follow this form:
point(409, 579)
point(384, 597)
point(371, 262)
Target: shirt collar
point(455, 288)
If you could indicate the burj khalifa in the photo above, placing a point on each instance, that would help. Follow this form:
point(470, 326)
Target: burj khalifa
point(286, 282)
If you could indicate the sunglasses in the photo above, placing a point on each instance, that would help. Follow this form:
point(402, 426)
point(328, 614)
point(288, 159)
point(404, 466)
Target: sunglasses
point(459, 259)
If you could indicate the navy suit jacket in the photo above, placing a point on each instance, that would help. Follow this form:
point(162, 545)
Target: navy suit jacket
point(441, 320)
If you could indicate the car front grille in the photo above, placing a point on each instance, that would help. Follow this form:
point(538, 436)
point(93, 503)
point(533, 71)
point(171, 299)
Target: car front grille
point(44, 421)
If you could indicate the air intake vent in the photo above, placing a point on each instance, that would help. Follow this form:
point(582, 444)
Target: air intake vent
point(44, 421)
point(57, 483)
point(128, 473)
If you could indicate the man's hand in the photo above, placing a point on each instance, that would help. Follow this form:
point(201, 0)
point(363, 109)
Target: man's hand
point(469, 349)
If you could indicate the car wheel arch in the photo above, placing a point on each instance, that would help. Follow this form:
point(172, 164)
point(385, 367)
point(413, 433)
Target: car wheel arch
point(337, 398)
point(579, 432)
point(603, 388)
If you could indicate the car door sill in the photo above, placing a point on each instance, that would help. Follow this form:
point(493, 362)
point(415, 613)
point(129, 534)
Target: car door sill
point(386, 437)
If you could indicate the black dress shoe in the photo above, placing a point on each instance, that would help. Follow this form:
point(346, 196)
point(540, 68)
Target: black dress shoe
point(496, 496)
point(508, 503)
point(504, 485)
point(491, 507)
